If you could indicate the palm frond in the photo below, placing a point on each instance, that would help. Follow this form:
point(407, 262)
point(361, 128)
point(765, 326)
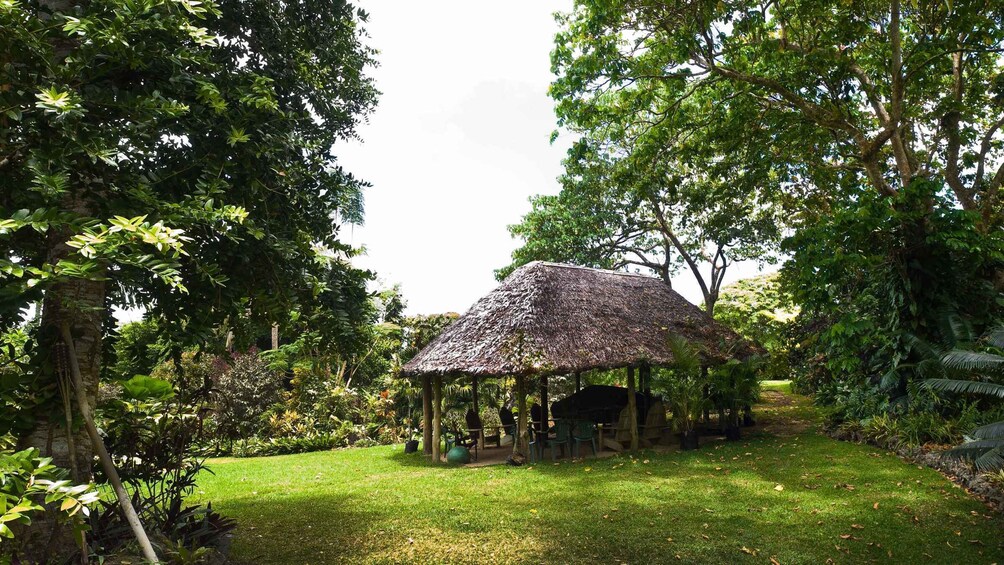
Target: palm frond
point(930, 368)
point(977, 446)
point(962, 330)
point(992, 460)
point(973, 361)
point(685, 357)
point(963, 387)
point(891, 379)
point(921, 348)
point(996, 337)
point(989, 431)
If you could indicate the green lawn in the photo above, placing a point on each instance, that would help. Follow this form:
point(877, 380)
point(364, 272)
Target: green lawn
point(786, 494)
point(780, 386)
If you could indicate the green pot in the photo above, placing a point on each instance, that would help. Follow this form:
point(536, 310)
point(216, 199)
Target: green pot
point(458, 456)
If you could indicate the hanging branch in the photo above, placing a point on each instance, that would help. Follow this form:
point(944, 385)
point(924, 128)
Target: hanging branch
point(99, 448)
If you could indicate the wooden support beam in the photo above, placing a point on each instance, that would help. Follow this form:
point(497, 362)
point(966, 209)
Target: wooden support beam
point(707, 394)
point(544, 412)
point(437, 417)
point(578, 382)
point(632, 409)
point(427, 415)
point(645, 378)
point(521, 444)
point(477, 409)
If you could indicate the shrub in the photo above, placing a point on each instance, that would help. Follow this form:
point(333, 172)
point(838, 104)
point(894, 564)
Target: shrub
point(152, 434)
point(243, 394)
point(31, 485)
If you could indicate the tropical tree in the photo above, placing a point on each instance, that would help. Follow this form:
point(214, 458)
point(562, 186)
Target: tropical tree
point(640, 196)
point(175, 156)
point(882, 92)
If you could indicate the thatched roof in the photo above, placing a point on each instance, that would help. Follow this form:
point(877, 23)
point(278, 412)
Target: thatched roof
point(548, 318)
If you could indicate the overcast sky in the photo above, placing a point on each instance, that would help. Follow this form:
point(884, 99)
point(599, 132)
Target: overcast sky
point(457, 145)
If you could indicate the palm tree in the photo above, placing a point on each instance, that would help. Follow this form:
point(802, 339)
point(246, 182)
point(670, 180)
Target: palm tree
point(984, 445)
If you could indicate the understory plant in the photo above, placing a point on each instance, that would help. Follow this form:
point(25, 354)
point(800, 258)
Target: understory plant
point(152, 432)
point(32, 487)
point(682, 385)
point(734, 390)
point(984, 446)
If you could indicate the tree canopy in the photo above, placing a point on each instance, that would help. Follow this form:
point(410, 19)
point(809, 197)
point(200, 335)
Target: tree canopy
point(178, 156)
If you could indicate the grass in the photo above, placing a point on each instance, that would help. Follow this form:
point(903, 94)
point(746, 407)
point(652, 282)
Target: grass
point(780, 386)
point(787, 494)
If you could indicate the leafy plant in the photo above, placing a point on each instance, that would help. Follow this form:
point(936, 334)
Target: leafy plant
point(31, 485)
point(243, 394)
point(734, 388)
point(985, 444)
point(682, 384)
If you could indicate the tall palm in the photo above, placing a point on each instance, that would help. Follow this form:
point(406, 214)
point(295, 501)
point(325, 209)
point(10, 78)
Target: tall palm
point(984, 445)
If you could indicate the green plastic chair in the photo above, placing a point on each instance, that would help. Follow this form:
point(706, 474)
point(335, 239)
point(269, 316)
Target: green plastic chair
point(584, 431)
point(562, 437)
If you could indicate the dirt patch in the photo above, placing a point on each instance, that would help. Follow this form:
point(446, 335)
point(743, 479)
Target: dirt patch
point(784, 415)
point(776, 398)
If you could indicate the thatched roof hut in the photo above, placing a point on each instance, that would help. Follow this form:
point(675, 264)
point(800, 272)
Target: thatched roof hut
point(549, 318)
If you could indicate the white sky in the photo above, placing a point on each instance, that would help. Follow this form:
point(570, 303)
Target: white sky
point(458, 143)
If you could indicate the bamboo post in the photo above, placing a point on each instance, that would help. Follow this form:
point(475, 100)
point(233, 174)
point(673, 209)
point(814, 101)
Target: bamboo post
point(99, 448)
point(427, 415)
point(632, 410)
point(437, 416)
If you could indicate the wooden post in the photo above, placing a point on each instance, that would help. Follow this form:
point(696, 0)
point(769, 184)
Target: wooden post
point(645, 377)
point(437, 416)
point(521, 445)
point(578, 382)
point(632, 410)
point(427, 415)
point(275, 336)
point(543, 405)
point(477, 409)
point(707, 394)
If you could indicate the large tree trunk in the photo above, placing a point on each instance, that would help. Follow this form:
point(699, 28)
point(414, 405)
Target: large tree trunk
point(81, 303)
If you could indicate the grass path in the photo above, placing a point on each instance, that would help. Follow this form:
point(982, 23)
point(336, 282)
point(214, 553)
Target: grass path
point(786, 494)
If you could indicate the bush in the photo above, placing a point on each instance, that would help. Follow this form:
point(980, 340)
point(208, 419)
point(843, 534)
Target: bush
point(263, 447)
point(31, 485)
point(242, 396)
point(152, 434)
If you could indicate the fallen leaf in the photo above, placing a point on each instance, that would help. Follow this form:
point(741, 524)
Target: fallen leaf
point(774, 561)
point(875, 506)
point(779, 488)
point(857, 526)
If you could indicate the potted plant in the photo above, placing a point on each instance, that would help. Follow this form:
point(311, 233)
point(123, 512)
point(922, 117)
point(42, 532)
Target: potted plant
point(734, 388)
point(683, 386)
point(686, 400)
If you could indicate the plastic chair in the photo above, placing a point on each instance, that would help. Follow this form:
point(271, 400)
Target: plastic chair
point(583, 431)
point(562, 437)
point(508, 421)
